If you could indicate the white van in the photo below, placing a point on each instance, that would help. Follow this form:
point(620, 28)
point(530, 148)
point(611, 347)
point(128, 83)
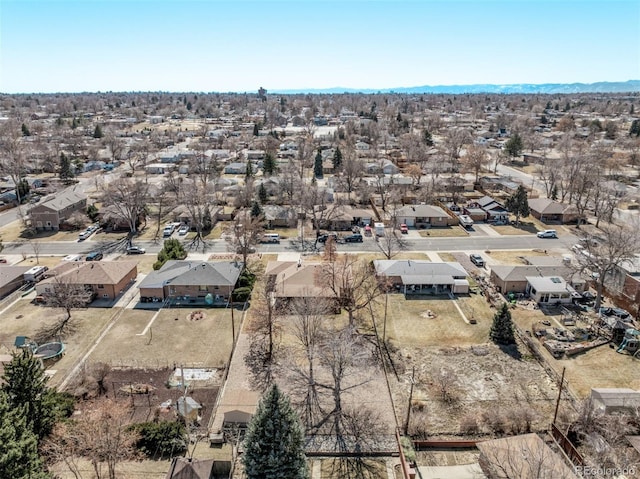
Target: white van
point(72, 257)
point(270, 238)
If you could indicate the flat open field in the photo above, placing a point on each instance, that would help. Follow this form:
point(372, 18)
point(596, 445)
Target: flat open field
point(172, 339)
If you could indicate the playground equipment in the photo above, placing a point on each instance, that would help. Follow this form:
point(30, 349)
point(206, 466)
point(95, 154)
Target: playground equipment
point(630, 342)
point(52, 350)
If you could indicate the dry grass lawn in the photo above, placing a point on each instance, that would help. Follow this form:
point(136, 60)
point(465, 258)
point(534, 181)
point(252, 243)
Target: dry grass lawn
point(145, 261)
point(14, 232)
point(25, 319)
point(513, 256)
point(204, 342)
point(49, 261)
point(447, 231)
point(339, 467)
point(407, 325)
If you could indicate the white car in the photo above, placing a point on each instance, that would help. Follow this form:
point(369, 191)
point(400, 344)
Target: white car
point(184, 229)
point(84, 235)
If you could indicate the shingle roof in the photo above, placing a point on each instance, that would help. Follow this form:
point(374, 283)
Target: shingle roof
point(422, 211)
point(194, 273)
point(61, 201)
point(92, 272)
point(390, 267)
point(547, 206)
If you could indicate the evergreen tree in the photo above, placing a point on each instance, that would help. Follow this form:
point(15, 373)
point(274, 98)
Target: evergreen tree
point(262, 194)
point(97, 133)
point(256, 210)
point(502, 327)
point(554, 192)
point(426, 137)
point(317, 165)
point(514, 146)
point(256, 130)
point(207, 221)
point(25, 385)
point(25, 130)
point(66, 171)
point(635, 128)
point(631, 110)
point(337, 159)
point(23, 190)
point(248, 172)
point(518, 204)
point(274, 446)
point(269, 164)
point(18, 444)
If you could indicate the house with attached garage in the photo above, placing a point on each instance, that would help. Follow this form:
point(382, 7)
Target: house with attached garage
point(106, 279)
point(549, 211)
point(293, 279)
point(423, 277)
point(50, 214)
point(181, 282)
point(424, 216)
point(517, 278)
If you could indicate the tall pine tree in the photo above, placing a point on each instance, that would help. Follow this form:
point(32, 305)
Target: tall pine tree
point(337, 159)
point(269, 164)
point(18, 444)
point(25, 385)
point(502, 328)
point(274, 443)
point(66, 170)
point(518, 204)
point(317, 165)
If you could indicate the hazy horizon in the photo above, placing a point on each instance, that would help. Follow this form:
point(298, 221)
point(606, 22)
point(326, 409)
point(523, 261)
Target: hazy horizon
point(61, 46)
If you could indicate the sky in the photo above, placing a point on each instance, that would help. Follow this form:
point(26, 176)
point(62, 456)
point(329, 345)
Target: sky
point(220, 45)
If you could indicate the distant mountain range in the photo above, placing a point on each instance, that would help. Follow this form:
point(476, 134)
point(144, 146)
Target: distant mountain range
point(523, 88)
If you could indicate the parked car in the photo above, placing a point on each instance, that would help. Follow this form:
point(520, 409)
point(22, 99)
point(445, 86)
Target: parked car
point(617, 312)
point(184, 229)
point(168, 231)
point(404, 229)
point(324, 237)
point(477, 260)
point(94, 256)
point(136, 250)
point(84, 235)
point(353, 239)
point(547, 234)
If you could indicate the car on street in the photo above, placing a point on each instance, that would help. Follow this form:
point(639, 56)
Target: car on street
point(184, 229)
point(547, 234)
point(353, 239)
point(84, 235)
point(136, 250)
point(404, 229)
point(94, 256)
point(324, 237)
point(477, 260)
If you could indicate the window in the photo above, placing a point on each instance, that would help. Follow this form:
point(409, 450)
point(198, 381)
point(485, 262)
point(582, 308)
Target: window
point(203, 288)
point(101, 286)
point(106, 296)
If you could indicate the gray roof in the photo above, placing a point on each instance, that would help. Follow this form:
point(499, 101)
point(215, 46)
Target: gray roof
point(421, 268)
point(193, 273)
point(520, 273)
point(421, 211)
point(62, 201)
point(548, 284)
point(547, 206)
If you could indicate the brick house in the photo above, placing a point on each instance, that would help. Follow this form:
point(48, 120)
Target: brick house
point(50, 214)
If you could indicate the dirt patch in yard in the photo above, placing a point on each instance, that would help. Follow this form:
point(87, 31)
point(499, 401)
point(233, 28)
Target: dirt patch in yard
point(515, 257)
point(448, 231)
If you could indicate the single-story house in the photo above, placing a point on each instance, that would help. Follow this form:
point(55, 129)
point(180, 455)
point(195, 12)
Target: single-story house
point(423, 277)
point(182, 280)
point(513, 278)
point(549, 289)
point(181, 214)
point(235, 168)
point(276, 216)
point(343, 218)
point(293, 279)
point(11, 278)
point(48, 215)
point(525, 457)
point(424, 216)
point(476, 214)
point(107, 279)
point(189, 468)
point(550, 211)
point(158, 168)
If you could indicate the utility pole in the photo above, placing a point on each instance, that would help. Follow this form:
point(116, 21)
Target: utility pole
point(406, 422)
point(555, 414)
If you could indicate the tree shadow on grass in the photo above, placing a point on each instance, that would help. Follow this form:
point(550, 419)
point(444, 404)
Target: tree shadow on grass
point(512, 350)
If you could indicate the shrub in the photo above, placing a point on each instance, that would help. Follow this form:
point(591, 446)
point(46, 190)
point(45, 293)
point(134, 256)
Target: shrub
point(161, 439)
point(241, 294)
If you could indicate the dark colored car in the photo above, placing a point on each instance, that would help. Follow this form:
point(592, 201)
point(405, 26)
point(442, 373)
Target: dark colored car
point(324, 237)
point(94, 256)
point(617, 312)
point(353, 239)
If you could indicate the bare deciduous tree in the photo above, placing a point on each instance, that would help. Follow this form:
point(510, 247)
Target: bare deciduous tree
point(127, 199)
point(244, 234)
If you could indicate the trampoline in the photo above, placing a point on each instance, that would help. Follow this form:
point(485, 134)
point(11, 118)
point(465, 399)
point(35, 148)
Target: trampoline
point(50, 350)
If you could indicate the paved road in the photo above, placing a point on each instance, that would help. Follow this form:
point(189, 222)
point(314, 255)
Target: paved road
point(480, 243)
